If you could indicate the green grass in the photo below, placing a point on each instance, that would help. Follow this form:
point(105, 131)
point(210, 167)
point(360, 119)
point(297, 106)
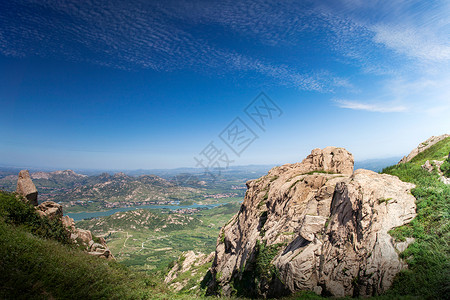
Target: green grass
point(35, 268)
point(38, 261)
point(437, 151)
point(383, 200)
point(428, 257)
point(273, 178)
point(445, 167)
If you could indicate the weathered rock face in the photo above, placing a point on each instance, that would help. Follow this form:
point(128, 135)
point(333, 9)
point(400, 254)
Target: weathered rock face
point(26, 187)
point(423, 146)
point(302, 229)
point(84, 238)
point(359, 255)
point(50, 209)
point(330, 159)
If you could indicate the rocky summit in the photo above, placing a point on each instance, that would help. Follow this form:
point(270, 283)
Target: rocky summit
point(317, 226)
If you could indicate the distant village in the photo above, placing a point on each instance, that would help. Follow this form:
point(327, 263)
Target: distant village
point(121, 204)
point(222, 195)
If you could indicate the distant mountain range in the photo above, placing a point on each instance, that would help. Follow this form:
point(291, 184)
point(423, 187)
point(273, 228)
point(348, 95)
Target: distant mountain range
point(107, 191)
point(79, 192)
point(370, 164)
point(377, 164)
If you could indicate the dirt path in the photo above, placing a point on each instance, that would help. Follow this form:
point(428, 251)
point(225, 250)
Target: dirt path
point(124, 242)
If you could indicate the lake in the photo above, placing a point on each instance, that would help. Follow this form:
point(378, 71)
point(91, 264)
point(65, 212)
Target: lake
point(87, 215)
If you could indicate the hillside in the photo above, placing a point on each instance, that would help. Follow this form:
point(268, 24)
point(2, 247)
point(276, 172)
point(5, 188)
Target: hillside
point(39, 262)
point(428, 257)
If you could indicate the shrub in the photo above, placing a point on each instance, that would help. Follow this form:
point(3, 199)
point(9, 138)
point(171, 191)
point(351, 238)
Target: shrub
point(17, 212)
point(445, 167)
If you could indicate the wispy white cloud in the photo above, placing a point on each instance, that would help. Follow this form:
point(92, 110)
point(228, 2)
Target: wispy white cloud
point(372, 107)
point(413, 42)
point(377, 38)
point(145, 34)
point(402, 46)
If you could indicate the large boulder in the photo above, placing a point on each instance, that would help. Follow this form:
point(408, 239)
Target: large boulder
point(85, 239)
point(302, 227)
point(331, 160)
point(26, 187)
point(85, 236)
point(50, 209)
point(68, 222)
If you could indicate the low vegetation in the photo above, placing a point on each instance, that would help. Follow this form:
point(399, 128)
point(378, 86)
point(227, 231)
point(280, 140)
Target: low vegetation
point(38, 261)
point(445, 167)
point(39, 264)
point(438, 151)
point(429, 256)
point(16, 212)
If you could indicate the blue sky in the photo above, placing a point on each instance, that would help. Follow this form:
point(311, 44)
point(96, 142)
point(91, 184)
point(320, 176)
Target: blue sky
point(149, 84)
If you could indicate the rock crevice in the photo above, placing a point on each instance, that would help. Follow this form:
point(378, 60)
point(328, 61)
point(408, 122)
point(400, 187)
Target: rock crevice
point(315, 226)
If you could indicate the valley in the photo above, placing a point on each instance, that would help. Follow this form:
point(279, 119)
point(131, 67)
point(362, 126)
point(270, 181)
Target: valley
point(148, 240)
point(79, 193)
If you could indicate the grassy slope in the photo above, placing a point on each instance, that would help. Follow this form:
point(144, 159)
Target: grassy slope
point(37, 265)
point(439, 151)
point(35, 268)
point(429, 256)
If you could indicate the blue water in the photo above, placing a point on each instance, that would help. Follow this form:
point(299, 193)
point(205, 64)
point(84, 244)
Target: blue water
point(96, 214)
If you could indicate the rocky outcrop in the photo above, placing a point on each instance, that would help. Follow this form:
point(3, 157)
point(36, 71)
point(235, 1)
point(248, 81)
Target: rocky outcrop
point(315, 226)
point(359, 255)
point(85, 239)
point(52, 210)
point(188, 262)
point(329, 159)
point(437, 164)
point(423, 146)
point(26, 187)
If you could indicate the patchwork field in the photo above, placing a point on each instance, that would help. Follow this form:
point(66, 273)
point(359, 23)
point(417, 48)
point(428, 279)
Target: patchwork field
point(150, 240)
